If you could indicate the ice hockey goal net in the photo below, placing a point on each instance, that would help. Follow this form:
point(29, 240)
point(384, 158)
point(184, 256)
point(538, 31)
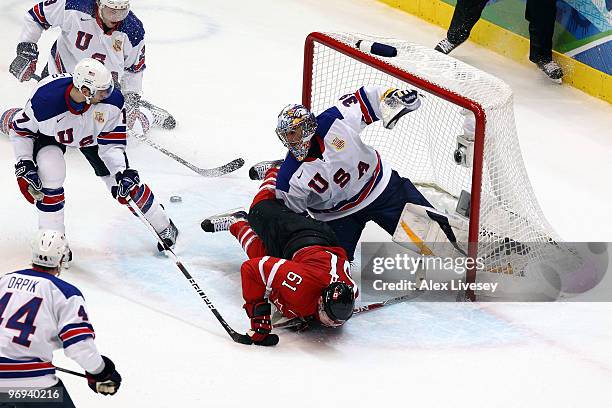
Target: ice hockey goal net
point(504, 210)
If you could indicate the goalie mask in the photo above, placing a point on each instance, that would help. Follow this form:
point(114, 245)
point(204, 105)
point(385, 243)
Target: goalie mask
point(113, 11)
point(336, 304)
point(93, 80)
point(296, 127)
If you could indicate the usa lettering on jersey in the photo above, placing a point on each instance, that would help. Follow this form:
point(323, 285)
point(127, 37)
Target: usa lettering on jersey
point(348, 174)
point(122, 50)
point(49, 113)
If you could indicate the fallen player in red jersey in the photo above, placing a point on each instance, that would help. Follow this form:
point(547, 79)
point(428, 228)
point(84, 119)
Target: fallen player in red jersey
point(295, 262)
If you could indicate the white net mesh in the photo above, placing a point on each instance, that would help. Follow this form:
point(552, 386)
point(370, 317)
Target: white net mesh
point(421, 145)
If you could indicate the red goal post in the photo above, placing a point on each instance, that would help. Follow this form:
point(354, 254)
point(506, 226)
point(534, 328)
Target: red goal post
point(423, 84)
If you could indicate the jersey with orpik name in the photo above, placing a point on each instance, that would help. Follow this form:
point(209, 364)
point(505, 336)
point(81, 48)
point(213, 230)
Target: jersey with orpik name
point(50, 113)
point(341, 174)
point(40, 313)
point(121, 50)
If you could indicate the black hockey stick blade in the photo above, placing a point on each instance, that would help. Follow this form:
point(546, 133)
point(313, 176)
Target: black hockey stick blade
point(213, 172)
point(242, 338)
point(223, 170)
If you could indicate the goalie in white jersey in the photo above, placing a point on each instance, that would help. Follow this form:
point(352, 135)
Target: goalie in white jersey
point(330, 173)
point(105, 30)
point(40, 313)
point(83, 111)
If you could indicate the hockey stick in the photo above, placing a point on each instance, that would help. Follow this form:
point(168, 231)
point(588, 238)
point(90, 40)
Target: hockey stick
point(378, 305)
point(237, 337)
point(64, 370)
point(297, 322)
point(214, 172)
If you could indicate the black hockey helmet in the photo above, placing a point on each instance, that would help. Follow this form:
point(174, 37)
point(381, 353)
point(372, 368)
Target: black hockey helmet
point(338, 301)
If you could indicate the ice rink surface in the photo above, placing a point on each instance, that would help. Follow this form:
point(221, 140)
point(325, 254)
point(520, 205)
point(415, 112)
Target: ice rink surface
point(225, 69)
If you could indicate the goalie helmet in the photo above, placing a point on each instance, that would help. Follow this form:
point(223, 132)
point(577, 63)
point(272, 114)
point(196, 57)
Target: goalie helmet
point(49, 248)
point(93, 79)
point(295, 128)
point(113, 11)
point(336, 304)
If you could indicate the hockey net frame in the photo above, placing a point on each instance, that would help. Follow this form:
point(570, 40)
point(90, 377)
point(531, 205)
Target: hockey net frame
point(344, 43)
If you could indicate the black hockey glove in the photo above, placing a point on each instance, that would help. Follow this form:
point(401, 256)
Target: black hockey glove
point(127, 180)
point(28, 180)
point(107, 381)
point(24, 64)
point(261, 324)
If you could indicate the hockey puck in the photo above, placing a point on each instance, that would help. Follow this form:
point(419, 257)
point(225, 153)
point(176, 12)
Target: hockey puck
point(175, 199)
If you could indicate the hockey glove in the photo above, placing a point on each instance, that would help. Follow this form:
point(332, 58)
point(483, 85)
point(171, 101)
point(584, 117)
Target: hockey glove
point(261, 324)
point(24, 64)
point(396, 103)
point(126, 182)
point(107, 381)
point(28, 181)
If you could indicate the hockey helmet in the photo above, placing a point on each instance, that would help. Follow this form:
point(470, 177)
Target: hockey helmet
point(49, 248)
point(295, 128)
point(91, 75)
point(336, 304)
point(113, 11)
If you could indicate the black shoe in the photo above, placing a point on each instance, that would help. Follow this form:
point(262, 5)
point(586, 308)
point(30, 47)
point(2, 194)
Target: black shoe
point(445, 46)
point(169, 236)
point(223, 221)
point(551, 69)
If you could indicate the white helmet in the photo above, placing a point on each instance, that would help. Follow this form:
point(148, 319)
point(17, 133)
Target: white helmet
point(95, 77)
point(49, 248)
point(113, 10)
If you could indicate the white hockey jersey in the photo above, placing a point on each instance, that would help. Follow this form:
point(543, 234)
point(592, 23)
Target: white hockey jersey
point(51, 113)
point(40, 313)
point(343, 175)
point(121, 50)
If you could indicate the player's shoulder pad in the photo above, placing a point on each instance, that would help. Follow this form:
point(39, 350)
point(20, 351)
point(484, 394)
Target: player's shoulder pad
point(116, 99)
point(49, 100)
point(133, 28)
point(84, 6)
point(286, 171)
point(66, 288)
point(326, 119)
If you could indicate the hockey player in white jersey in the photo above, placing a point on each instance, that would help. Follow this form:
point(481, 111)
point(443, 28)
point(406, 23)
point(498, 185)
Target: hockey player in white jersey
point(330, 173)
point(105, 30)
point(81, 110)
point(40, 313)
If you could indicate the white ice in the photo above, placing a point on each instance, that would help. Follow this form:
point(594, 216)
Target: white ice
point(225, 68)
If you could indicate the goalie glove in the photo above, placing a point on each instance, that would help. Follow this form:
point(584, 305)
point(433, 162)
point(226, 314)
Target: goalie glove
point(24, 64)
point(396, 103)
